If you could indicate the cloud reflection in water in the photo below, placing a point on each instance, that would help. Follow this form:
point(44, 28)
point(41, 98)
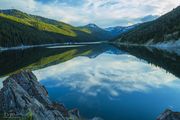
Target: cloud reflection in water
point(109, 73)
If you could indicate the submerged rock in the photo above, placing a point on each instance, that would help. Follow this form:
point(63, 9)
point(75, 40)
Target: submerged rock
point(169, 115)
point(22, 96)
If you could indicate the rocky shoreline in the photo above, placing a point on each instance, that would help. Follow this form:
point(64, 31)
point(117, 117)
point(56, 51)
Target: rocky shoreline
point(23, 97)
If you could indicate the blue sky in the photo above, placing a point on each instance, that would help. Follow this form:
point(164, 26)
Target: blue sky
point(104, 13)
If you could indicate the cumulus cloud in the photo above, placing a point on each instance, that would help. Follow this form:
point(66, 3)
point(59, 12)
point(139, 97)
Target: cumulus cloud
point(102, 12)
point(107, 72)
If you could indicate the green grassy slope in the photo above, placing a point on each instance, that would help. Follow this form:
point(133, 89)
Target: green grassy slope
point(17, 28)
point(165, 28)
point(41, 23)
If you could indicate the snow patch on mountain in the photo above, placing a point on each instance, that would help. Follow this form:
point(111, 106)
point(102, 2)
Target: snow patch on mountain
point(119, 29)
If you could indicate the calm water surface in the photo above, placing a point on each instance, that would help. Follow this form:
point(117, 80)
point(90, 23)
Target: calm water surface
point(110, 82)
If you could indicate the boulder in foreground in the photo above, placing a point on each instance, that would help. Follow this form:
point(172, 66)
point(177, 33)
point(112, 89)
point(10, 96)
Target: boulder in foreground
point(23, 97)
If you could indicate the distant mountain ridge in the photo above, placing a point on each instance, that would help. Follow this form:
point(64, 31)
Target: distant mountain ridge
point(99, 32)
point(163, 31)
point(118, 30)
point(149, 18)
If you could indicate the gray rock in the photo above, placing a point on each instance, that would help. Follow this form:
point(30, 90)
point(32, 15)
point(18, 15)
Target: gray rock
point(169, 115)
point(23, 96)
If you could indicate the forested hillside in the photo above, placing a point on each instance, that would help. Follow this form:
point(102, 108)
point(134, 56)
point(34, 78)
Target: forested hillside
point(18, 28)
point(164, 29)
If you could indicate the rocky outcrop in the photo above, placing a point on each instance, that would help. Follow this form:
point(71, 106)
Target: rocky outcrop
point(169, 115)
point(24, 97)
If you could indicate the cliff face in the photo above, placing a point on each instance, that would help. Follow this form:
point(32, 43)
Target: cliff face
point(22, 96)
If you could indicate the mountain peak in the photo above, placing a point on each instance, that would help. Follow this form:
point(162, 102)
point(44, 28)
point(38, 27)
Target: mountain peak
point(149, 18)
point(118, 30)
point(92, 25)
point(14, 12)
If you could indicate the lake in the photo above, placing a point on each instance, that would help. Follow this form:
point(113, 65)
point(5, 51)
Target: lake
point(112, 82)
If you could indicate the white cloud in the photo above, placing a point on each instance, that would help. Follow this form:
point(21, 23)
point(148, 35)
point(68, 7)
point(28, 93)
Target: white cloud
point(107, 72)
point(103, 12)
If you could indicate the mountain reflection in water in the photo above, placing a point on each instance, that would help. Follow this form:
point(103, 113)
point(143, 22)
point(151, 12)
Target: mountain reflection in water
point(112, 82)
point(107, 72)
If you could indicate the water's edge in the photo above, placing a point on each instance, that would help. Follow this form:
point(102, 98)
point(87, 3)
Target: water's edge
point(160, 45)
point(48, 45)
